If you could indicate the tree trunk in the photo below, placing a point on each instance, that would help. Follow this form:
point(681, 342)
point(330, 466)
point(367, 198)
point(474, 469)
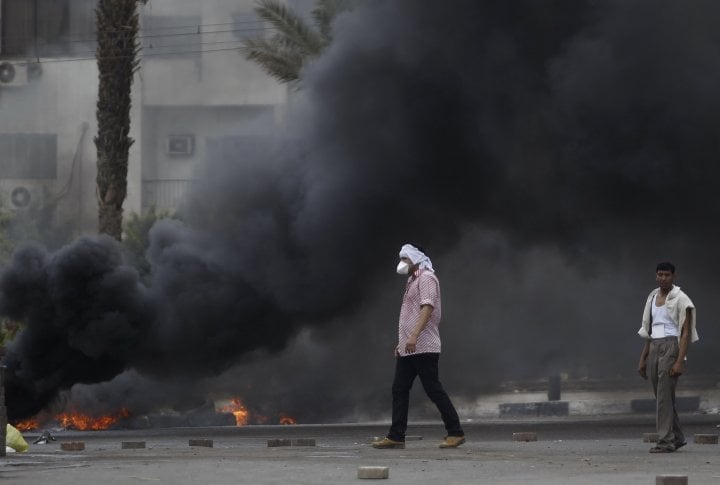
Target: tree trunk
point(117, 49)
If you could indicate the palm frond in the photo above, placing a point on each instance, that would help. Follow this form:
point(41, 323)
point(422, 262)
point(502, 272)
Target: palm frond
point(290, 26)
point(280, 62)
point(324, 13)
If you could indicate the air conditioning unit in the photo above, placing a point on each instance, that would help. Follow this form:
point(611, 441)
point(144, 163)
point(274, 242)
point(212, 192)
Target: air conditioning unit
point(180, 145)
point(13, 75)
point(21, 196)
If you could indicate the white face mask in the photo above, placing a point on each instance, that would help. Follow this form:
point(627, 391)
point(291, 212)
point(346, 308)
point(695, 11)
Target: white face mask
point(403, 268)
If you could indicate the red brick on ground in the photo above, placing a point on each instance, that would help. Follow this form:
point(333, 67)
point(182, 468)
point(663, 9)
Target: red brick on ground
point(72, 446)
point(201, 442)
point(525, 436)
point(671, 480)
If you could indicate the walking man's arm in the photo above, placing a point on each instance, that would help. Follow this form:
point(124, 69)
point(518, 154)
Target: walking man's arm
point(423, 319)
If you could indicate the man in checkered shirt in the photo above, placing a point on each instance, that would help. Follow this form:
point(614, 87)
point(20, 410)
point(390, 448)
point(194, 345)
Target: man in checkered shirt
point(418, 350)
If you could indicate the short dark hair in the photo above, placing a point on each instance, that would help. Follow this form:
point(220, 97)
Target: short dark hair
point(665, 266)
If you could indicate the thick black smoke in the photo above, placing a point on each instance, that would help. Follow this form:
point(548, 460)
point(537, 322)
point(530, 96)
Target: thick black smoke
point(546, 153)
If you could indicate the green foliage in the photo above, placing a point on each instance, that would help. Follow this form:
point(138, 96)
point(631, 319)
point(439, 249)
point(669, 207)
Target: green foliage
point(7, 244)
point(8, 330)
point(136, 238)
point(283, 54)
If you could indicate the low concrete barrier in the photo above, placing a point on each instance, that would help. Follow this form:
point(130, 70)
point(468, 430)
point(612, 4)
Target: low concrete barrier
point(686, 404)
point(549, 408)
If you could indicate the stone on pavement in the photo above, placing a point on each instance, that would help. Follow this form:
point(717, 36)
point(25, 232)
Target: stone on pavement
point(303, 442)
point(200, 442)
point(524, 436)
point(278, 442)
point(133, 445)
point(671, 480)
point(373, 472)
point(72, 446)
point(705, 439)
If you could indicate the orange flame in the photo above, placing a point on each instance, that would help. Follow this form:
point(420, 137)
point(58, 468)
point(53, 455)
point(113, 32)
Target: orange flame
point(244, 416)
point(84, 422)
point(27, 424)
point(285, 419)
point(73, 420)
point(236, 406)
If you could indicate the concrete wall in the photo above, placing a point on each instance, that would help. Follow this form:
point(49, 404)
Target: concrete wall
point(62, 102)
point(220, 76)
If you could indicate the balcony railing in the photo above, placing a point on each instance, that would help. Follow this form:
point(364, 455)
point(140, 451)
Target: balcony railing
point(164, 194)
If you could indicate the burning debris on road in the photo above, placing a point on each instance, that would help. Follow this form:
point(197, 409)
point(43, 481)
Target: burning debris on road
point(230, 412)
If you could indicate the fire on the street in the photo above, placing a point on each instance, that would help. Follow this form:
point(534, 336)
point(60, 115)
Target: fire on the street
point(284, 419)
point(244, 416)
point(71, 419)
point(27, 424)
point(84, 422)
point(74, 420)
point(238, 409)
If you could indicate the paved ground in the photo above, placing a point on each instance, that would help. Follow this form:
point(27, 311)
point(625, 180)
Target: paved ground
point(569, 451)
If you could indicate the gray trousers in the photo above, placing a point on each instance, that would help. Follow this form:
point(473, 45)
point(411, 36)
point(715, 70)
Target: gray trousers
point(662, 356)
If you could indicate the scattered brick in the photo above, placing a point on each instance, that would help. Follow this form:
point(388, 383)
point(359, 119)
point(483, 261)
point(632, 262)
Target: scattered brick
point(671, 480)
point(373, 472)
point(303, 442)
point(705, 439)
point(650, 437)
point(133, 445)
point(278, 442)
point(72, 446)
point(524, 436)
point(201, 442)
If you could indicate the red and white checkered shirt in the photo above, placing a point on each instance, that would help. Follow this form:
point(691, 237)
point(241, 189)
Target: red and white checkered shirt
point(422, 288)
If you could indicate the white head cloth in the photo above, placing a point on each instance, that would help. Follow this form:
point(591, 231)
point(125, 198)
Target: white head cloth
point(416, 256)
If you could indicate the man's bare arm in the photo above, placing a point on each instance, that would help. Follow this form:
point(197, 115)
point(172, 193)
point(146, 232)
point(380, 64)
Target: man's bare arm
point(423, 319)
point(679, 366)
point(642, 366)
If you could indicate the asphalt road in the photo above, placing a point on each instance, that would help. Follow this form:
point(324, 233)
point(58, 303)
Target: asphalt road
point(568, 451)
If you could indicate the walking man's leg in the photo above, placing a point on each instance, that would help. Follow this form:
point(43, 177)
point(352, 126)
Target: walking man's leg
point(405, 373)
point(665, 394)
point(402, 383)
point(429, 377)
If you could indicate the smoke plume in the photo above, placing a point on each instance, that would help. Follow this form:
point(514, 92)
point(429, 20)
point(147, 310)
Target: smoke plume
point(546, 154)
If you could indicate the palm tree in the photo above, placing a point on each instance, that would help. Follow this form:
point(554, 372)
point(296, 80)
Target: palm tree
point(117, 50)
point(283, 54)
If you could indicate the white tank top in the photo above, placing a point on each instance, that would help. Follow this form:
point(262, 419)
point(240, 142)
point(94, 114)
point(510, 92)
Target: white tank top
point(662, 324)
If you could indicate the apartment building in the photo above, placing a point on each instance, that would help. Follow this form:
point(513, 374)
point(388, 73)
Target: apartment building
point(195, 97)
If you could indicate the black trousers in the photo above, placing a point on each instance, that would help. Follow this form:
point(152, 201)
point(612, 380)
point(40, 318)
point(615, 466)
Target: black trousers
point(425, 366)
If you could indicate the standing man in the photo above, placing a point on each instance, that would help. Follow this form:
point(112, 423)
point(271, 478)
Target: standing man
point(668, 325)
point(418, 350)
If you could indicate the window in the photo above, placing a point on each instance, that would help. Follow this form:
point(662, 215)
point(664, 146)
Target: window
point(28, 156)
point(166, 34)
point(30, 27)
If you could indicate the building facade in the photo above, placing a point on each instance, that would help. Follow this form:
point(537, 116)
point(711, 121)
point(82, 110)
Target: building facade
point(195, 97)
